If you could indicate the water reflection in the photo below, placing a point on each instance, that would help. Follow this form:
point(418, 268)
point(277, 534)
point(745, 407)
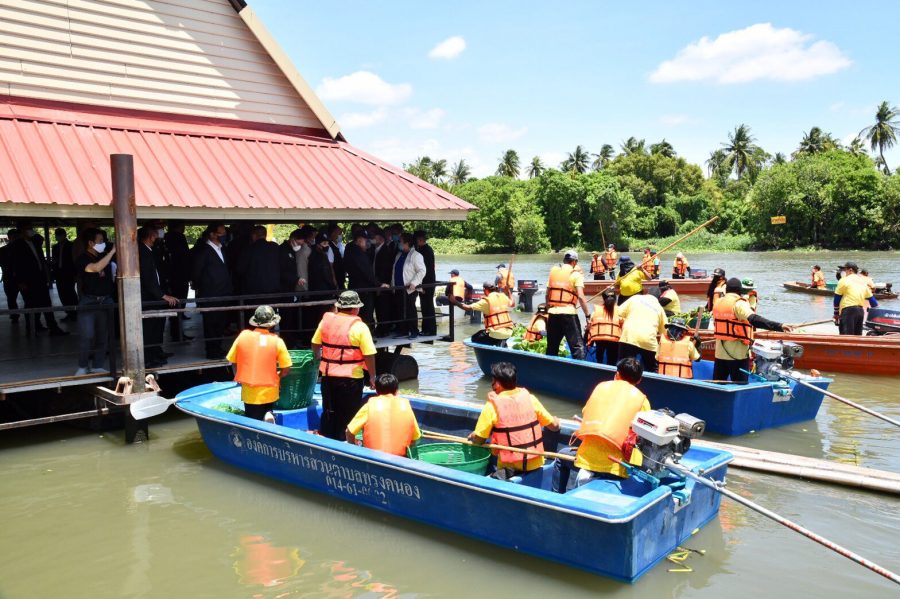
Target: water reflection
point(259, 562)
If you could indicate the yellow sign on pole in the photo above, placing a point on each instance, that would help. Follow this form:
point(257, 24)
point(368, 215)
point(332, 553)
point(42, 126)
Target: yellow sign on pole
point(779, 220)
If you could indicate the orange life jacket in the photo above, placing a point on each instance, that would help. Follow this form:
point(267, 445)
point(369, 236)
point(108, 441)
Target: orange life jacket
point(532, 333)
point(674, 357)
point(339, 358)
point(597, 264)
point(517, 426)
point(498, 314)
point(602, 327)
point(680, 267)
point(391, 425)
point(610, 259)
point(560, 291)
point(818, 279)
point(459, 287)
point(504, 276)
point(257, 358)
point(727, 326)
point(609, 411)
point(718, 293)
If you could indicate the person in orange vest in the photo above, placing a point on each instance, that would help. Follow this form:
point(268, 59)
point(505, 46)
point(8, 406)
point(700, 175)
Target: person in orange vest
point(734, 321)
point(818, 277)
point(680, 268)
point(565, 292)
point(537, 328)
point(456, 290)
point(605, 427)
point(505, 281)
point(604, 329)
point(387, 422)
point(610, 261)
point(498, 324)
point(261, 359)
point(716, 288)
point(343, 344)
point(512, 417)
point(869, 280)
point(677, 352)
point(598, 269)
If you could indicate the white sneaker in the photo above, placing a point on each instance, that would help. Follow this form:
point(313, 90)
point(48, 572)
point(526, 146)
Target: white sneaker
point(81, 372)
point(269, 417)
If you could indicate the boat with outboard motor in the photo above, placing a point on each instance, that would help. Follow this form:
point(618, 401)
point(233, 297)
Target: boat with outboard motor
point(727, 408)
point(616, 528)
point(681, 286)
point(882, 292)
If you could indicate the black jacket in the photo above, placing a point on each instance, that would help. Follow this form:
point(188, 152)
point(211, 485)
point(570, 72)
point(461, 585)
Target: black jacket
point(151, 290)
point(359, 268)
point(26, 268)
point(259, 268)
point(287, 267)
point(180, 257)
point(384, 263)
point(62, 261)
point(340, 273)
point(210, 274)
point(428, 256)
point(321, 276)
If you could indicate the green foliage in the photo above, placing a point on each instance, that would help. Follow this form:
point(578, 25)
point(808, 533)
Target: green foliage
point(535, 347)
point(456, 246)
point(652, 177)
point(507, 216)
point(703, 241)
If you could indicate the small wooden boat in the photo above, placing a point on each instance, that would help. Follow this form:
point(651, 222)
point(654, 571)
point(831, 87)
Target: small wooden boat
point(681, 286)
point(881, 292)
point(618, 529)
point(858, 354)
point(728, 409)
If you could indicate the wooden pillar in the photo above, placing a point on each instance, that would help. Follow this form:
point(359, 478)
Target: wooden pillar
point(128, 281)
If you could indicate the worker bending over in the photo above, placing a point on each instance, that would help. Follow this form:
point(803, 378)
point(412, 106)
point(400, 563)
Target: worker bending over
point(261, 358)
point(677, 352)
point(456, 290)
point(643, 323)
point(604, 329)
point(605, 424)
point(850, 297)
point(734, 321)
point(498, 324)
point(681, 269)
point(387, 422)
point(565, 292)
point(512, 417)
point(631, 278)
point(668, 298)
point(537, 328)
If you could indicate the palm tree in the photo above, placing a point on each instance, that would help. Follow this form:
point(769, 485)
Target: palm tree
point(576, 162)
point(663, 148)
point(509, 165)
point(422, 167)
point(883, 134)
point(439, 170)
point(780, 158)
point(715, 162)
point(633, 145)
point(739, 150)
point(857, 147)
point(536, 168)
point(812, 142)
point(460, 173)
point(604, 157)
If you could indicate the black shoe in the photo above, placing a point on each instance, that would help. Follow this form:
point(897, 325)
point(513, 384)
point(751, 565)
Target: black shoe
point(58, 332)
point(413, 336)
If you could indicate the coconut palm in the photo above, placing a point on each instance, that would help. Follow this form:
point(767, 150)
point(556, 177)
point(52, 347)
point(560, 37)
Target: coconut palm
point(509, 165)
point(422, 167)
point(576, 162)
point(438, 170)
point(604, 157)
point(460, 173)
point(739, 150)
point(715, 162)
point(536, 168)
point(633, 145)
point(663, 148)
point(857, 147)
point(780, 158)
point(812, 142)
point(883, 134)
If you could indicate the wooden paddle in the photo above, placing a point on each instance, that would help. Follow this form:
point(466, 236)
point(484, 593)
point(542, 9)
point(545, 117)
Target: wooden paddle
point(811, 323)
point(602, 236)
point(547, 454)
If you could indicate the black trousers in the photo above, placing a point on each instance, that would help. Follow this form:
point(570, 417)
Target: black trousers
point(568, 326)
point(384, 312)
point(214, 325)
point(12, 298)
point(483, 338)
point(851, 320)
point(622, 299)
point(648, 358)
point(406, 316)
point(65, 289)
point(341, 400)
point(426, 304)
point(38, 296)
point(607, 352)
point(367, 312)
point(724, 370)
point(257, 411)
point(153, 338)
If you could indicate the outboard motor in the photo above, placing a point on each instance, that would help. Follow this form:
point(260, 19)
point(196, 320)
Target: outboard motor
point(882, 321)
point(772, 356)
point(663, 436)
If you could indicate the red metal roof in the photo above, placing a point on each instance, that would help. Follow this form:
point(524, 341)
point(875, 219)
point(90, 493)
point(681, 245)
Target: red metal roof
point(59, 158)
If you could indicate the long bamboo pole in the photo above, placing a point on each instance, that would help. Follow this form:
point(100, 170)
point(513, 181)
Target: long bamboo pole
point(445, 437)
point(843, 400)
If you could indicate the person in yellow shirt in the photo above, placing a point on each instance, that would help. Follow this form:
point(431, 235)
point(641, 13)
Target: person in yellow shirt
point(498, 324)
point(677, 352)
point(631, 278)
point(512, 417)
point(869, 280)
point(668, 298)
point(643, 322)
point(343, 344)
point(818, 277)
point(261, 358)
point(606, 422)
point(850, 298)
point(565, 293)
point(387, 422)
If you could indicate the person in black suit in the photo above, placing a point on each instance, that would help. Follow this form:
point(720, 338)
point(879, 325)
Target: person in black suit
point(10, 288)
point(426, 296)
point(336, 254)
point(321, 278)
point(211, 278)
point(62, 271)
point(152, 291)
point(259, 266)
point(179, 272)
point(361, 274)
point(33, 279)
point(383, 262)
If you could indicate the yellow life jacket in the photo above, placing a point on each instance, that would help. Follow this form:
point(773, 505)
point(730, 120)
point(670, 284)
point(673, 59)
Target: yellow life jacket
point(391, 425)
point(609, 411)
point(459, 287)
point(505, 279)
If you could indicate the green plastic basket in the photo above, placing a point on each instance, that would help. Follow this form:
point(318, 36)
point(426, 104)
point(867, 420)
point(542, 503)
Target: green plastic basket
point(298, 386)
point(467, 458)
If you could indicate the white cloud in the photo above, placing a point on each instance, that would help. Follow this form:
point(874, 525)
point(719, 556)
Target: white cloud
point(754, 53)
point(448, 49)
point(358, 120)
point(674, 120)
point(363, 87)
point(500, 132)
point(425, 119)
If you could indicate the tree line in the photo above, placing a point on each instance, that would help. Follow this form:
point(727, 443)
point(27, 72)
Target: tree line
point(832, 195)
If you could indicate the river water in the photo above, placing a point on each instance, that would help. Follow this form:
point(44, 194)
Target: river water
point(83, 515)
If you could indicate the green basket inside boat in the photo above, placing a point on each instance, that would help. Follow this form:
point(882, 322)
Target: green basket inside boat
point(468, 458)
point(298, 386)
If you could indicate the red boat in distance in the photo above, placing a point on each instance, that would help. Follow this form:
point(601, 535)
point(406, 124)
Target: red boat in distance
point(681, 286)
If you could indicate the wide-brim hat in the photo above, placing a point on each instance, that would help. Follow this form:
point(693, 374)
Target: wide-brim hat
point(265, 317)
point(748, 284)
point(677, 323)
point(348, 300)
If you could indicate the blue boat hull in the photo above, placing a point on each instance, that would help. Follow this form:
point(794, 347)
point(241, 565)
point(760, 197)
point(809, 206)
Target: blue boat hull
point(618, 529)
point(728, 409)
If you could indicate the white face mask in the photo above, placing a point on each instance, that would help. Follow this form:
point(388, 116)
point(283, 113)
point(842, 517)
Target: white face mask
point(100, 247)
point(296, 246)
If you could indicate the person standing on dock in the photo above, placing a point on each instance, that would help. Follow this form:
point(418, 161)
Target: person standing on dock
point(498, 325)
point(681, 269)
point(605, 329)
point(262, 359)
point(97, 289)
point(734, 321)
point(668, 298)
point(643, 323)
point(361, 274)
point(383, 262)
point(343, 344)
point(211, 278)
point(850, 298)
point(677, 352)
point(565, 292)
point(387, 421)
point(818, 278)
point(426, 296)
point(152, 291)
point(512, 417)
point(62, 272)
point(10, 287)
point(409, 272)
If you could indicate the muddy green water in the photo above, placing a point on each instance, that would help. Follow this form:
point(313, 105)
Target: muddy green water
point(83, 515)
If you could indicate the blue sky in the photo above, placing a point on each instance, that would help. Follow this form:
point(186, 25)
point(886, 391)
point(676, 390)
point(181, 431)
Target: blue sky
point(470, 79)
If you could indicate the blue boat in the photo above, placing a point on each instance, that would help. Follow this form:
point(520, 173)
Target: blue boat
point(618, 529)
point(728, 409)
